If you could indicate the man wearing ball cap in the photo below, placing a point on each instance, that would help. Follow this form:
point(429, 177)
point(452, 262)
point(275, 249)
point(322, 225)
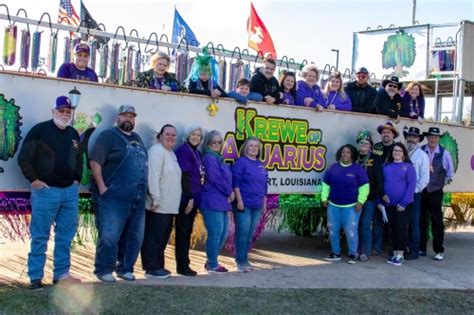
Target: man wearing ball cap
point(78, 70)
point(51, 159)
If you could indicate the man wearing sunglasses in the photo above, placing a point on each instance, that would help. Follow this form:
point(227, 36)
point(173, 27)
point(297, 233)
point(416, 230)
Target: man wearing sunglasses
point(388, 101)
point(361, 93)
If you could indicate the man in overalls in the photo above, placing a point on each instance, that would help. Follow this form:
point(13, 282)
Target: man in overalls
point(120, 170)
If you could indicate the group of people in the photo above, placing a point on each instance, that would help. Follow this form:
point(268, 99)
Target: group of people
point(138, 196)
point(387, 182)
point(357, 96)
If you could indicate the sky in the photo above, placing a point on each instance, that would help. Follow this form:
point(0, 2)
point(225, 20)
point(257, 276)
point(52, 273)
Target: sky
point(300, 29)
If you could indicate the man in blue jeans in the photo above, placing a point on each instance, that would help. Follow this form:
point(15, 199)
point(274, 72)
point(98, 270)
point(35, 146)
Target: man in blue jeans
point(119, 164)
point(421, 162)
point(51, 160)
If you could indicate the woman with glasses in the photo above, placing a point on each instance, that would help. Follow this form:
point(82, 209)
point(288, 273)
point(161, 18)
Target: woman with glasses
point(216, 198)
point(399, 185)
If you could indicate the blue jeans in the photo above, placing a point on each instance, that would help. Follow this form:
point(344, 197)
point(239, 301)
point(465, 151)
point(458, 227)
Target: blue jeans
point(414, 226)
point(121, 225)
point(216, 223)
point(365, 228)
point(377, 231)
point(245, 224)
point(58, 206)
point(348, 218)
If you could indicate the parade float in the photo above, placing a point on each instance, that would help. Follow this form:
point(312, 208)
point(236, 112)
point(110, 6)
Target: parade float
point(299, 144)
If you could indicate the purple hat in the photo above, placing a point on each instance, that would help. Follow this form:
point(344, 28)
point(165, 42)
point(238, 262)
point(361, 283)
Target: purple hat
point(388, 125)
point(82, 47)
point(62, 101)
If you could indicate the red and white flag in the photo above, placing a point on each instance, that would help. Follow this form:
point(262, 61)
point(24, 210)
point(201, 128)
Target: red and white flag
point(259, 37)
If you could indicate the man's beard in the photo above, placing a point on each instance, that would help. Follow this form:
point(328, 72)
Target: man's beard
point(411, 146)
point(61, 123)
point(126, 126)
point(391, 94)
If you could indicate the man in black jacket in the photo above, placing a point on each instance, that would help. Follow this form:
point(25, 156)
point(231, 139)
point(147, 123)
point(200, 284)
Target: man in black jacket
point(264, 83)
point(388, 101)
point(361, 93)
point(51, 160)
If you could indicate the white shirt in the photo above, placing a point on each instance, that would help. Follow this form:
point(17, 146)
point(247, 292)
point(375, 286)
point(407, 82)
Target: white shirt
point(421, 163)
point(164, 180)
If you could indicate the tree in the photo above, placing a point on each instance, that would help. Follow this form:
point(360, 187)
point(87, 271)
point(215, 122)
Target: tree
point(398, 52)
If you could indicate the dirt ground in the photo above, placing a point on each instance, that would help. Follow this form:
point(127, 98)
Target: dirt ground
point(282, 261)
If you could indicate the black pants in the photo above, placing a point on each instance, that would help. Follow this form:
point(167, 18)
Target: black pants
point(431, 203)
point(398, 221)
point(157, 233)
point(184, 228)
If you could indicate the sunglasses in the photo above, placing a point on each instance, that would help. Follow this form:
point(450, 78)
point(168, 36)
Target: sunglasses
point(393, 86)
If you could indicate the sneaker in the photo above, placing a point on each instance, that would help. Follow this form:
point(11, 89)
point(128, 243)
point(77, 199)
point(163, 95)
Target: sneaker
point(67, 279)
point(107, 278)
point(128, 276)
point(352, 259)
point(188, 272)
point(390, 260)
point(249, 266)
point(363, 257)
point(218, 270)
point(439, 256)
point(333, 257)
point(422, 253)
point(396, 261)
point(241, 268)
point(36, 285)
point(158, 274)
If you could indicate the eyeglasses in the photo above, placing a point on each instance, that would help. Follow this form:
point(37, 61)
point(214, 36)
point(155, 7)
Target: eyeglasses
point(393, 86)
point(216, 142)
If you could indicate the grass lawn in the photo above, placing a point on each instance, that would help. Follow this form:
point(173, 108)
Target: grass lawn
point(142, 299)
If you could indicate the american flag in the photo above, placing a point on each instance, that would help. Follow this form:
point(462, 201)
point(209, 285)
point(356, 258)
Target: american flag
point(66, 10)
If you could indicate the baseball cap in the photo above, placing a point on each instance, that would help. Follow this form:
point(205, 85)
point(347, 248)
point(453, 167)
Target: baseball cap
point(82, 47)
point(62, 102)
point(126, 108)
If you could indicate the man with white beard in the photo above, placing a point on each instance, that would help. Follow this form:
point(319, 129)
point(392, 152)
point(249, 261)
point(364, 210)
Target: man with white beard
point(51, 160)
point(388, 101)
point(421, 162)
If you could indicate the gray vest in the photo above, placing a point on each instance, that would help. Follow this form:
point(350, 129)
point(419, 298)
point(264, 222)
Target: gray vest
point(438, 175)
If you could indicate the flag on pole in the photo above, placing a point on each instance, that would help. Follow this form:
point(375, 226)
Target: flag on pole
point(67, 12)
point(88, 21)
point(182, 30)
point(259, 37)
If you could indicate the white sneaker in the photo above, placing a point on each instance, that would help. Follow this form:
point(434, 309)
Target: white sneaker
point(108, 278)
point(439, 256)
point(128, 276)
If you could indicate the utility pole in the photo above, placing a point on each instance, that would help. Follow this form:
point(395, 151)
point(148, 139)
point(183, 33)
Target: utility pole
point(413, 16)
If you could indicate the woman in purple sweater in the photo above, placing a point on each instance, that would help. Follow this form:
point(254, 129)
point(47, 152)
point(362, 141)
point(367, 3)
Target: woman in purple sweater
point(308, 92)
point(192, 168)
point(414, 101)
point(335, 97)
point(249, 179)
point(288, 88)
point(216, 198)
point(399, 186)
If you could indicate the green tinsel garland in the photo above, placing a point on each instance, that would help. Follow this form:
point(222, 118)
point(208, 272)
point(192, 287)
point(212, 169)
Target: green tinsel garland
point(301, 214)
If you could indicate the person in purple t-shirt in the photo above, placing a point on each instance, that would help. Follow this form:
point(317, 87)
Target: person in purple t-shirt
point(308, 92)
point(399, 185)
point(78, 70)
point(334, 95)
point(344, 191)
point(192, 168)
point(288, 88)
point(414, 101)
point(249, 179)
point(216, 198)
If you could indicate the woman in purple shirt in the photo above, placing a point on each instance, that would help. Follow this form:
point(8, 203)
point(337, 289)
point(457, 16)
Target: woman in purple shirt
point(335, 97)
point(216, 198)
point(288, 88)
point(192, 168)
point(414, 101)
point(399, 185)
point(308, 92)
point(249, 179)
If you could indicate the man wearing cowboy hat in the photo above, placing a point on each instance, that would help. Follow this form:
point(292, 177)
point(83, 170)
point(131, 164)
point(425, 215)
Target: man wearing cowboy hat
point(420, 161)
point(441, 173)
point(381, 151)
point(388, 101)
